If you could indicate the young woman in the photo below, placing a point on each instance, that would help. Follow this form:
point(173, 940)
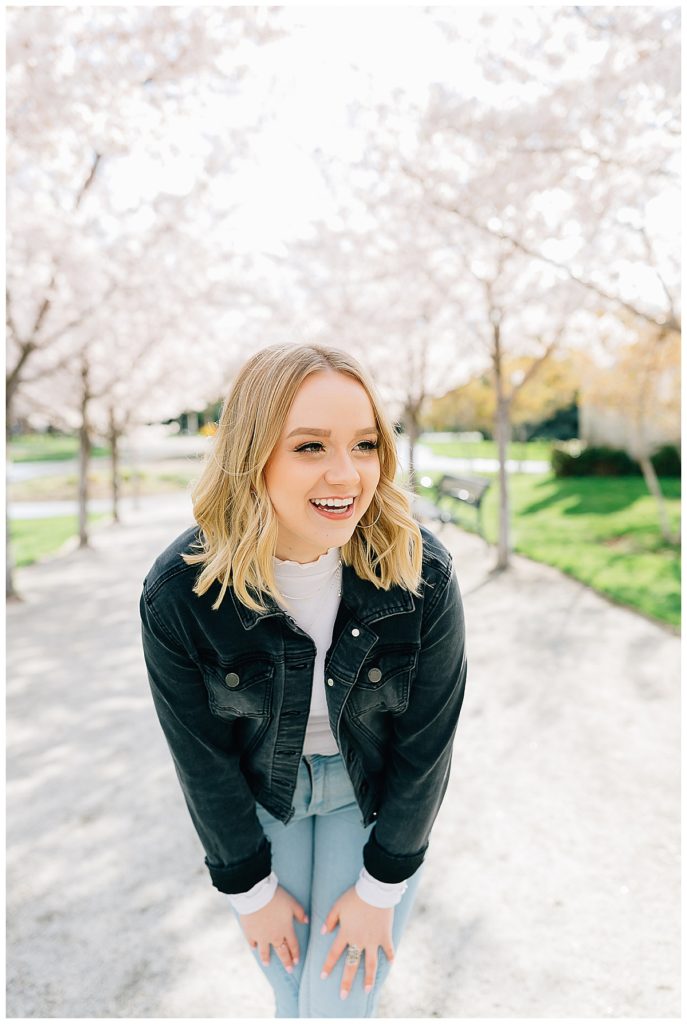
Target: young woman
point(305, 647)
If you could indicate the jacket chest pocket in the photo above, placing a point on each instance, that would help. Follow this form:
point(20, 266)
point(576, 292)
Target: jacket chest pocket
point(240, 689)
point(383, 681)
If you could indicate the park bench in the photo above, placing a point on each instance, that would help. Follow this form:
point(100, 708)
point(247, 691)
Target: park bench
point(464, 490)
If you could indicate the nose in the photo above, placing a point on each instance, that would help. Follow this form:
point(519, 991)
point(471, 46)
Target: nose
point(342, 471)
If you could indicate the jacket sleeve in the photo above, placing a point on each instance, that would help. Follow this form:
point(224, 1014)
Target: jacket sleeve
point(206, 760)
point(420, 760)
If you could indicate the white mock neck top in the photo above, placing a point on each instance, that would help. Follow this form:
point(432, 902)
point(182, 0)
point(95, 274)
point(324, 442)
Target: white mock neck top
point(311, 592)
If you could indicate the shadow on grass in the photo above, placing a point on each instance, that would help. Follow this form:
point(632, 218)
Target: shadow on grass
point(585, 496)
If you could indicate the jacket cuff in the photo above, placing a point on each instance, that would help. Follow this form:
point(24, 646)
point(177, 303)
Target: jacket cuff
point(245, 874)
point(257, 897)
point(389, 867)
point(379, 894)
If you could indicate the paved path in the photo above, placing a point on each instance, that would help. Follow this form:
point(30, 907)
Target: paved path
point(552, 883)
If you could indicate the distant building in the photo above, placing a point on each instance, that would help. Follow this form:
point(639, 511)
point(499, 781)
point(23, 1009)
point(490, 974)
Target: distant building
point(612, 427)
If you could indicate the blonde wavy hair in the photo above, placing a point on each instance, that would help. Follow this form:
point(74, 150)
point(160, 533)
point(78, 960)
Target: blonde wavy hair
point(232, 506)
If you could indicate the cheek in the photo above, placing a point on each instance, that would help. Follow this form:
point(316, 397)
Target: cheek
point(290, 481)
point(373, 474)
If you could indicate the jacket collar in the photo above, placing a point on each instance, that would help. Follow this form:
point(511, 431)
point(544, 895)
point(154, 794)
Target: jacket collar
point(365, 601)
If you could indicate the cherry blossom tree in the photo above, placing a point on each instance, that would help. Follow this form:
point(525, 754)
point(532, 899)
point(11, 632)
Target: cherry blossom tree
point(470, 230)
point(95, 95)
point(542, 185)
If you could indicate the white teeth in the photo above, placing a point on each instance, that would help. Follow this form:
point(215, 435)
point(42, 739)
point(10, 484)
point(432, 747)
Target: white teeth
point(334, 502)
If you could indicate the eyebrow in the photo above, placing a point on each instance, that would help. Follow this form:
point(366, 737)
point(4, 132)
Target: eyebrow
point(326, 433)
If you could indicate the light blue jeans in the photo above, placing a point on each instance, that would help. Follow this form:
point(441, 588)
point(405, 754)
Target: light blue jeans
point(317, 857)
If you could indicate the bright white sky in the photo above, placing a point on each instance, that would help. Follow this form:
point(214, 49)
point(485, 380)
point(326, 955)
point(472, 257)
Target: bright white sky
point(335, 54)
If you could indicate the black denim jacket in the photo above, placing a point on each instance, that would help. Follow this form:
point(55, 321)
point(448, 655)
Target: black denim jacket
point(232, 691)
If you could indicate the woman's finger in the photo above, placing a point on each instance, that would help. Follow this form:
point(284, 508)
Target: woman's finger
point(349, 972)
point(282, 950)
point(299, 913)
point(292, 942)
point(330, 920)
point(265, 952)
point(370, 969)
point(336, 949)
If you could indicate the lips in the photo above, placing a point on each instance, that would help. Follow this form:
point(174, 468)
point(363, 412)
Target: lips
point(332, 515)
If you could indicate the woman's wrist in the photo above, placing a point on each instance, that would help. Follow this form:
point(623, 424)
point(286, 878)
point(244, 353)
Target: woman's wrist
point(257, 897)
point(379, 894)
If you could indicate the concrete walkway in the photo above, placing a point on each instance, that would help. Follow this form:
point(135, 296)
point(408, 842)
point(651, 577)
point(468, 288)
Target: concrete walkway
point(552, 882)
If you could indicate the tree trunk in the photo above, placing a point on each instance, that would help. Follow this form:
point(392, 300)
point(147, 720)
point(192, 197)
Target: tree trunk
point(10, 592)
point(502, 438)
point(412, 433)
point(411, 422)
point(643, 448)
point(114, 449)
point(654, 488)
point(84, 457)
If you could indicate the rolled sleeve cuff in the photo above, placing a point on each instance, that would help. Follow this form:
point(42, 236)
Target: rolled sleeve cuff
point(257, 897)
point(379, 894)
point(242, 876)
point(389, 867)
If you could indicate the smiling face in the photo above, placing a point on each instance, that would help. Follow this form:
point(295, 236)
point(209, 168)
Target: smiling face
point(341, 461)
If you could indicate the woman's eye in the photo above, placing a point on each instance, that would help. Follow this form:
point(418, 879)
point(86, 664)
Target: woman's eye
point(318, 444)
point(308, 446)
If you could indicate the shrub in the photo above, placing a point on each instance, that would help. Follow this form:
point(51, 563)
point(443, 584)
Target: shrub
point(574, 458)
point(667, 461)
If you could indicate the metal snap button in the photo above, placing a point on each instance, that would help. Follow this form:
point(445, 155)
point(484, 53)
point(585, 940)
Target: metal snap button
point(355, 632)
point(231, 679)
point(374, 675)
point(330, 682)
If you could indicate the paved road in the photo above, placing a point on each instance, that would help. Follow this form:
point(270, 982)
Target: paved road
point(552, 881)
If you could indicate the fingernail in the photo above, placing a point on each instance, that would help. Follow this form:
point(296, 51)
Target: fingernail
point(290, 970)
point(344, 995)
point(368, 988)
point(306, 919)
point(295, 960)
point(323, 975)
point(323, 930)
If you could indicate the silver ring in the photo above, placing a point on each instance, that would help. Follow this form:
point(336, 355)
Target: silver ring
point(353, 955)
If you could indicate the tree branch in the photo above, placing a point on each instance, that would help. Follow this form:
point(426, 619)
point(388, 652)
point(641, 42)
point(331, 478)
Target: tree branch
point(672, 322)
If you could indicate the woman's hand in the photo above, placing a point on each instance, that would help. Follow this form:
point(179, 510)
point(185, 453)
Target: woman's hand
point(273, 926)
point(361, 925)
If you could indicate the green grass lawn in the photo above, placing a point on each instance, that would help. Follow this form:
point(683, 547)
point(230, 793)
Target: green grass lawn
point(48, 448)
point(33, 539)
point(602, 531)
point(540, 450)
point(159, 479)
